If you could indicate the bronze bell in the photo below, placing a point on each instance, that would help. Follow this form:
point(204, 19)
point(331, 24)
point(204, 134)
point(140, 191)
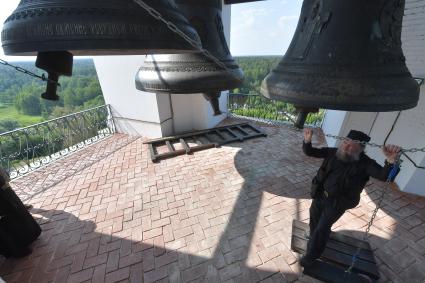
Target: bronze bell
point(55, 64)
point(94, 27)
point(194, 73)
point(346, 55)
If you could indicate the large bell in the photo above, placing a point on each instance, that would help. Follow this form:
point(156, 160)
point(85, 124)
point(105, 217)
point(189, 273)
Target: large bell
point(346, 55)
point(94, 27)
point(194, 73)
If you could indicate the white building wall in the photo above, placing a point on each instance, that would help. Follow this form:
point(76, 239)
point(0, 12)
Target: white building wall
point(135, 112)
point(409, 130)
point(333, 124)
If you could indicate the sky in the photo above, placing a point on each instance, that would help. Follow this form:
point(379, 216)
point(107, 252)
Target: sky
point(258, 28)
point(264, 27)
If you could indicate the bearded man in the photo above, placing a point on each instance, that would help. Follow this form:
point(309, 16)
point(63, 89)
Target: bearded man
point(339, 183)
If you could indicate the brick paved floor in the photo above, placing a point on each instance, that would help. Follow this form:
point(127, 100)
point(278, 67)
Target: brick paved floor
point(220, 215)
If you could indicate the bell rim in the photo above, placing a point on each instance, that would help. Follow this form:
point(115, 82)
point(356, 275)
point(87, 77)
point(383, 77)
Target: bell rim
point(345, 107)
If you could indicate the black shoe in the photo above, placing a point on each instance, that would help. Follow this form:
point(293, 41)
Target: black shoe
point(306, 261)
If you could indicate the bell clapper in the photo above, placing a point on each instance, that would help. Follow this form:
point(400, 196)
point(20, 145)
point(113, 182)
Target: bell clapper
point(56, 64)
point(213, 99)
point(302, 115)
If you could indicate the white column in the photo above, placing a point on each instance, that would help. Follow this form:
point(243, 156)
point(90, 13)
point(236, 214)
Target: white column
point(135, 112)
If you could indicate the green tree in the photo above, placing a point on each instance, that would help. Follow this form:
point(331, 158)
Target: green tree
point(28, 102)
point(8, 125)
point(76, 92)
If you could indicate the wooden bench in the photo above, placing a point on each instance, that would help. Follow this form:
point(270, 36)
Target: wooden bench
point(337, 257)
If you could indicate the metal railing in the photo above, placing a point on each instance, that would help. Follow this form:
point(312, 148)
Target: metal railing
point(27, 149)
point(258, 108)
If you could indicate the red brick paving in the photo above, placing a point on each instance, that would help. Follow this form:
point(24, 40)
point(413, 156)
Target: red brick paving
point(220, 215)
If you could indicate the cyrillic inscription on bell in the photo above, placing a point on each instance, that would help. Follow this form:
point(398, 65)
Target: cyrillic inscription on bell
point(95, 27)
point(346, 55)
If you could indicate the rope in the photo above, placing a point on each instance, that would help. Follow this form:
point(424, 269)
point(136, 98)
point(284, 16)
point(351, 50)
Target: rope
point(29, 73)
point(412, 161)
point(392, 127)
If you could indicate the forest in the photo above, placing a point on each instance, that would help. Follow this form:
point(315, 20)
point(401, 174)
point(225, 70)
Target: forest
point(21, 104)
point(255, 70)
point(254, 105)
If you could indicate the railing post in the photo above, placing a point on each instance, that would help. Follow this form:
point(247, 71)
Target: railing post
point(27, 149)
point(111, 117)
point(259, 108)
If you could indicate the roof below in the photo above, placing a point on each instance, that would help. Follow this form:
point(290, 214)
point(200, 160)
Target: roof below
point(109, 214)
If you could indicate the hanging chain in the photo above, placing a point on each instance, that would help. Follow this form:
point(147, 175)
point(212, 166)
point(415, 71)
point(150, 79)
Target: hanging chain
point(374, 144)
point(154, 13)
point(391, 176)
point(22, 70)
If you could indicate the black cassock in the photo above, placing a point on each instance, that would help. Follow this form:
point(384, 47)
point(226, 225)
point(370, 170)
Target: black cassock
point(18, 229)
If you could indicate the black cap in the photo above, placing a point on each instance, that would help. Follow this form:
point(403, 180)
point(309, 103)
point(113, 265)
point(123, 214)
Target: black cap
point(358, 136)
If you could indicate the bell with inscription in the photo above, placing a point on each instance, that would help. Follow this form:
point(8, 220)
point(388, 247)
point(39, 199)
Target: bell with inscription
point(195, 72)
point(345, 55)
point(95, 27)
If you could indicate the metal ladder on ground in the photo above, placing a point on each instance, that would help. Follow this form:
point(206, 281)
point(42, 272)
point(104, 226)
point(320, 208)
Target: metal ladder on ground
point(200, 140)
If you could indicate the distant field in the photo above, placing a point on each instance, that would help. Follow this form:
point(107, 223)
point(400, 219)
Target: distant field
point(10, 113)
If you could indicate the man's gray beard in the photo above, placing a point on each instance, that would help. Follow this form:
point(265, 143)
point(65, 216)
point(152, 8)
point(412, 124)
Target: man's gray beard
point(344, 157)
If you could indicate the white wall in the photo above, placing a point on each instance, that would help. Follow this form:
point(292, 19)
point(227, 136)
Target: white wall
point(341, 122)
point(135, 112)
point(193, 112)
point(333, 124)
point(409, 130)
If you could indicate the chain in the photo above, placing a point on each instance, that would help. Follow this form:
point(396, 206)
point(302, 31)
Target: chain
point(391, 176)
point(22, 70)
point(154, 13)
point(374, 144)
